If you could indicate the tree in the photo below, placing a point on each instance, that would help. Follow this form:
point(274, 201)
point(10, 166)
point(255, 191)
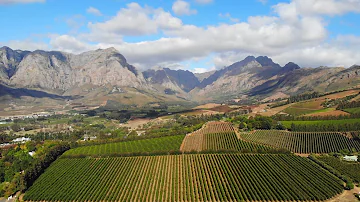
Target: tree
point(242, 125)
point(15, 127)
point(293, 127)
point(279, 126)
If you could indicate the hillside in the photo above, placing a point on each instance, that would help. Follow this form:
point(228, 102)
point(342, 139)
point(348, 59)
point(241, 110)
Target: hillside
point(94, 77)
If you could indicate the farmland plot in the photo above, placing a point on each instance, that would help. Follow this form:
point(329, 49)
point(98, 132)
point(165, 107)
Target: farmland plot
point(304, 142)
point(200, 177)
point(217, 136)
point(170, 143)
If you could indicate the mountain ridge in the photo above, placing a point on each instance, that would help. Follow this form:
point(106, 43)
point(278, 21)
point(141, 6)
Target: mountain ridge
point(86, 73)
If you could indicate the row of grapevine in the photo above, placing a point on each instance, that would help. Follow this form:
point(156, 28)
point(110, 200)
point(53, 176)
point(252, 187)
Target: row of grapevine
point(303, 142)
point(217, 136)
point(169, 143)
point(351, 170)
point(198, 177)
point(229, 141)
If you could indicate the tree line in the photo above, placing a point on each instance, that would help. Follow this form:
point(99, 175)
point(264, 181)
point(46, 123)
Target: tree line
point(346, 105)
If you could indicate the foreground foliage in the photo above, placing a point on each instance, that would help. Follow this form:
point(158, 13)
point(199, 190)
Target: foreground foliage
point(304, 142)
point(221, 177)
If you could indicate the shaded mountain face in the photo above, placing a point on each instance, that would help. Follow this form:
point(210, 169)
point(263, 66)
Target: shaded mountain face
point(202, 76)
point(9, 61)
point(172, 79)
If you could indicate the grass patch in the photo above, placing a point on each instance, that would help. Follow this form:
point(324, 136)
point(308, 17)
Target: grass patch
point(352, 110)
point(298, 111)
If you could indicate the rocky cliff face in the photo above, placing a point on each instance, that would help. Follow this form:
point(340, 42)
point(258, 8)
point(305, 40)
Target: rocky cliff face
point(62, 71)
point(241, 77)
point(9, 61)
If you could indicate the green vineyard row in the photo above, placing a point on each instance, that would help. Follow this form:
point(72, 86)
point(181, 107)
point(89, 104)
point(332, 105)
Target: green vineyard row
point(198, 177)
point(162, 144)
point(304, 142)
point(351, 170)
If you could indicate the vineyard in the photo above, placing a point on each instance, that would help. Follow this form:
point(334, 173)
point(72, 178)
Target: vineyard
point(169, 143)
point(351, 170)
point(287, 124)
point(303, 142)
point(217, 136)
point(200, 177)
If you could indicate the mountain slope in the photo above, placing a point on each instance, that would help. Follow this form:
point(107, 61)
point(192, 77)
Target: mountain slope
point(97, 76)
point(9, 61)
point(173, 79)
point(62, 71)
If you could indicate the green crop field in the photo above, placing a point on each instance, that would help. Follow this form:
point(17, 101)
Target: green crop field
point(229, 141)
point(351, 170)
point(298, 111)
point(305, 107)
point(169, 143)
point(287, 124)
point(353, 110)
point(216, 137)
point(200, 177)
point(303, 142)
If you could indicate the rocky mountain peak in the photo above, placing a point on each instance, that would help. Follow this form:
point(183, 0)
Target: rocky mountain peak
point(267, 62)
point(288, 68)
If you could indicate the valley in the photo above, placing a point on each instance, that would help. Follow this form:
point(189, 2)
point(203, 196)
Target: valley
point(171, 135)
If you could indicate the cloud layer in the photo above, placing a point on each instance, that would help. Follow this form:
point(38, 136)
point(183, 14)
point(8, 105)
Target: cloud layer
point(295, 31)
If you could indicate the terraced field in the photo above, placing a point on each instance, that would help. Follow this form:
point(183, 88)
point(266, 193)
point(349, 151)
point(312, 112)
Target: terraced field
point(200, 177)
point(170, 143)
point(217, 136)
point(303, 142)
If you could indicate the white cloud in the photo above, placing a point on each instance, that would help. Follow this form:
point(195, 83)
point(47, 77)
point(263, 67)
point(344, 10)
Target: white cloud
point(181, 7)
point(27, 44)
point(94, 11)
point(263, 1)
point(204, 1)
point(136, 21)
point(319, 7)
point(68, 43)
point(228, 16)
point(21, 1)
point(75, 23)
point(289, 34)
point(321, 55)
point(200, 70)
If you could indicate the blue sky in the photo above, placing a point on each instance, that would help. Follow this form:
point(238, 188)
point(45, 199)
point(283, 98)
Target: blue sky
point(198, 35)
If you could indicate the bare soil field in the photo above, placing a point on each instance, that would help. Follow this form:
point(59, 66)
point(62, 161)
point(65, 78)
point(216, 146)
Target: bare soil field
point(276, 96)
point(346, 196)
point(331, 113)
point(265, 111)
point(200, 112)
point(342, 94)
point(134, 124)
point(222, 108)
point(207, 106)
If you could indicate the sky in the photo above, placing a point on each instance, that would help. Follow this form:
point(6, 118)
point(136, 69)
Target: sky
point(195, 35)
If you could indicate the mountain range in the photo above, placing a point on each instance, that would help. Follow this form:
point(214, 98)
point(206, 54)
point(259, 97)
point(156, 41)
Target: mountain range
point(97, 76)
